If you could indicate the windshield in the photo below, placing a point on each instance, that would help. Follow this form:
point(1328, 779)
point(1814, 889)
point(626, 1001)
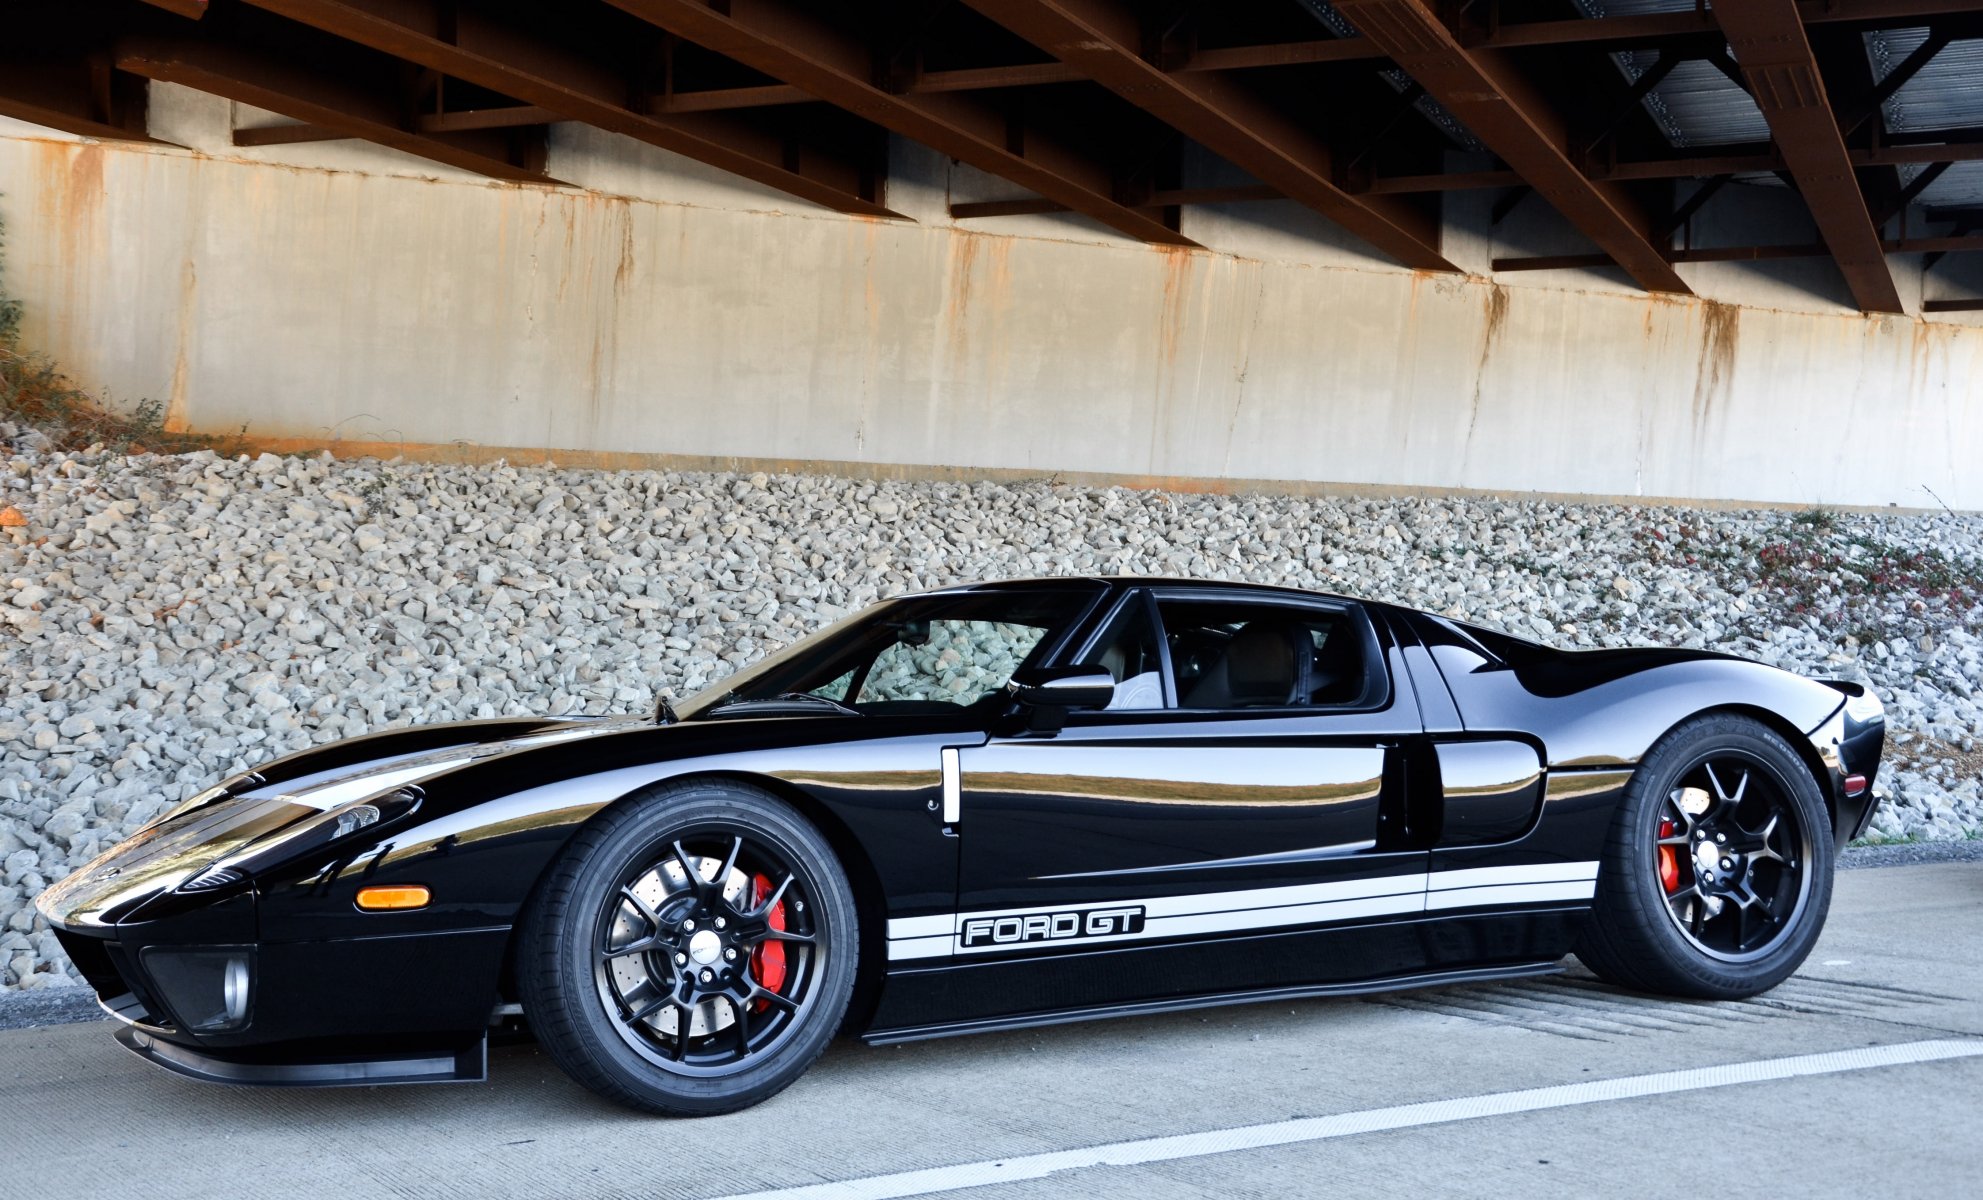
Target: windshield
point(919, 654)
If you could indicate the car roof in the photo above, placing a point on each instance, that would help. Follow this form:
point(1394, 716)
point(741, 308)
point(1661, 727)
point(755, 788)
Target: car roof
point(1155, 581)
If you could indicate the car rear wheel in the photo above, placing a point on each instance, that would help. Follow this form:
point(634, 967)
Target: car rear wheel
point(1717, 873)
point(692, 951)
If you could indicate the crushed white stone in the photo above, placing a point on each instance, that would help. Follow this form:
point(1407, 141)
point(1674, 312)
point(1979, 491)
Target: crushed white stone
point(167, 620)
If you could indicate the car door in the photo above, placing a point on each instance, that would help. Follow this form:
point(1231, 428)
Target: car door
point(1209, 804)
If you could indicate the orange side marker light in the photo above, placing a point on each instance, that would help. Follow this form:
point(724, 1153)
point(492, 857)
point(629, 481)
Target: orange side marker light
point(393, 897)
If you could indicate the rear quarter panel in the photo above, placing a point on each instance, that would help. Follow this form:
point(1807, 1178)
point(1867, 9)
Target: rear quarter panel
point(1596, 709)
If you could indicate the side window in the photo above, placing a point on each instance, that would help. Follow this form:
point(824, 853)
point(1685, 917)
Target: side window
point(836, 689)
point(957, 662)
point(1228, 656)
point(1130, 651)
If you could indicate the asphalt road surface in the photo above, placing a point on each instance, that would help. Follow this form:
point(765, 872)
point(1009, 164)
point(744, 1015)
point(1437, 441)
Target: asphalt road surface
point(1861, 1076)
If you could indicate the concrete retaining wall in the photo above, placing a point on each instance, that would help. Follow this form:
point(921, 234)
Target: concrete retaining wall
point(351, 294)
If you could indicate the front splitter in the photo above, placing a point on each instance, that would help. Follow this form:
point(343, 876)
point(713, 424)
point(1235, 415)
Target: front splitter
point(468, 1065)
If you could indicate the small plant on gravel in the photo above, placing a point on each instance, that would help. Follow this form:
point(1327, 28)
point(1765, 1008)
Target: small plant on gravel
point(10, 308)
point(1836, 573)
point(34, 394)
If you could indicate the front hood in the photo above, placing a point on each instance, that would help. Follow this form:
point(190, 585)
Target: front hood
point(167, 853)
point(324, 778)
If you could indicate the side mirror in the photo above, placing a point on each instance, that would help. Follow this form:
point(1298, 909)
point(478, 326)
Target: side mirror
point(1062, 687)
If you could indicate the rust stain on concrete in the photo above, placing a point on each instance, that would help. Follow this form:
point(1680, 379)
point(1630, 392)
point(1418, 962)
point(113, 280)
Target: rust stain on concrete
point(71, 203)
point(189, 294)
point(1493, 322)
point(623, 273)
point(972, 302)
point(1714, 376)
point(963, 268)
point(1178, 263)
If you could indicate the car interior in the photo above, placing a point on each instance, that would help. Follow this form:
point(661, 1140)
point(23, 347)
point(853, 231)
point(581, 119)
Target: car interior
point(1227, 656)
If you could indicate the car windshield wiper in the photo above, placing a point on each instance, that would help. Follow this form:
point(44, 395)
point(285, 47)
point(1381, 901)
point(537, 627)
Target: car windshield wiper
point(789, 699)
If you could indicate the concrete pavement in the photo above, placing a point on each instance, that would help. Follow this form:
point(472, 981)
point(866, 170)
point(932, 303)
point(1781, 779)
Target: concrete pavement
point(1901, 963)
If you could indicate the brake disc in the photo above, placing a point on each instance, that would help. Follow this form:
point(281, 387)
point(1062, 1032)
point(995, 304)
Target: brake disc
point(630, 973)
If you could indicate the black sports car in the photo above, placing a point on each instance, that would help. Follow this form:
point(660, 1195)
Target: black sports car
point(979, 808)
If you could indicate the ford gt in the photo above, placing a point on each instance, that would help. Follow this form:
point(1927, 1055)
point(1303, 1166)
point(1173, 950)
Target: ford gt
point(979, 808)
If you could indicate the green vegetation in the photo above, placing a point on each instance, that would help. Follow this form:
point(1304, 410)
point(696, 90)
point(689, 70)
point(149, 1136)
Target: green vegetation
point(1837, 569)
point(34, 393)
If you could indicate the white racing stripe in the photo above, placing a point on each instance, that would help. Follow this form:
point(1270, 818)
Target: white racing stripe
point(1533, 873)
point(1508, 893)
point(916, 927)
point(1375, 1120)
point(940, 935)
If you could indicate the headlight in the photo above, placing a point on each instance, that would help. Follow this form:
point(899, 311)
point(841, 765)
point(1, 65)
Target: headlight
point(312, 834)
point(353, 818)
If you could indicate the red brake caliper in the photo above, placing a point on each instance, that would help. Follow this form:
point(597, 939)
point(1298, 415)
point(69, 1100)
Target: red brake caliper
point(1669, 862)
point(768, 960)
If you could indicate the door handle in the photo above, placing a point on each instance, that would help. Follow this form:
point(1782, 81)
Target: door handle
point(953, 786)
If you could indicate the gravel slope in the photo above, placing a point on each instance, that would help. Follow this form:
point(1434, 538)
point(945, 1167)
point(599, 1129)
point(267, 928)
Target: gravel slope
point(165, 620)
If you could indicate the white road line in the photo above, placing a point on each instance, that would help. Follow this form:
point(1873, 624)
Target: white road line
point(1403, 1116)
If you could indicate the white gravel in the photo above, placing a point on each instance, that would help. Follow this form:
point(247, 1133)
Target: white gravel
point(167, 620)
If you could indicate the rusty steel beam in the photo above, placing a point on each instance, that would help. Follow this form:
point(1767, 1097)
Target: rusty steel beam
point(1639, 29)
point(322, 93)
point(190, 9)
point(767, 95)
point(971, 210)
point(1103, 38)
point(1281, 54)
point(972, 79)
point(1880, 13)
point(1600, 33)
point(470, 44)
point(1776, 58)
point(1953, 244)
point(507, 117)
point(1708, 166)
point(1240, 193)
point(1503, 109)
point(1452, 181)
point(1014, 75)
point(86, 96)
point(968, 79)
point(288, 135)
point(1649, 29)
point(1934, 306)
point(790, 42)
point(1934, 152)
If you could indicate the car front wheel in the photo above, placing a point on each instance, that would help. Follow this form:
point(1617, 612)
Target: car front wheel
point(692, 951)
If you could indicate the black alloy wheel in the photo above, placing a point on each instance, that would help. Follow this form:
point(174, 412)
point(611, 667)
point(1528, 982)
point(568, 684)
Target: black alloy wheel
point(692, 951)
point(1733, 858)
point(1717, 874)
point(709, 955)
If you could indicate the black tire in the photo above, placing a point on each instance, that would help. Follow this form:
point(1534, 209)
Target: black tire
point(1648, 933)
point(573, 980)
